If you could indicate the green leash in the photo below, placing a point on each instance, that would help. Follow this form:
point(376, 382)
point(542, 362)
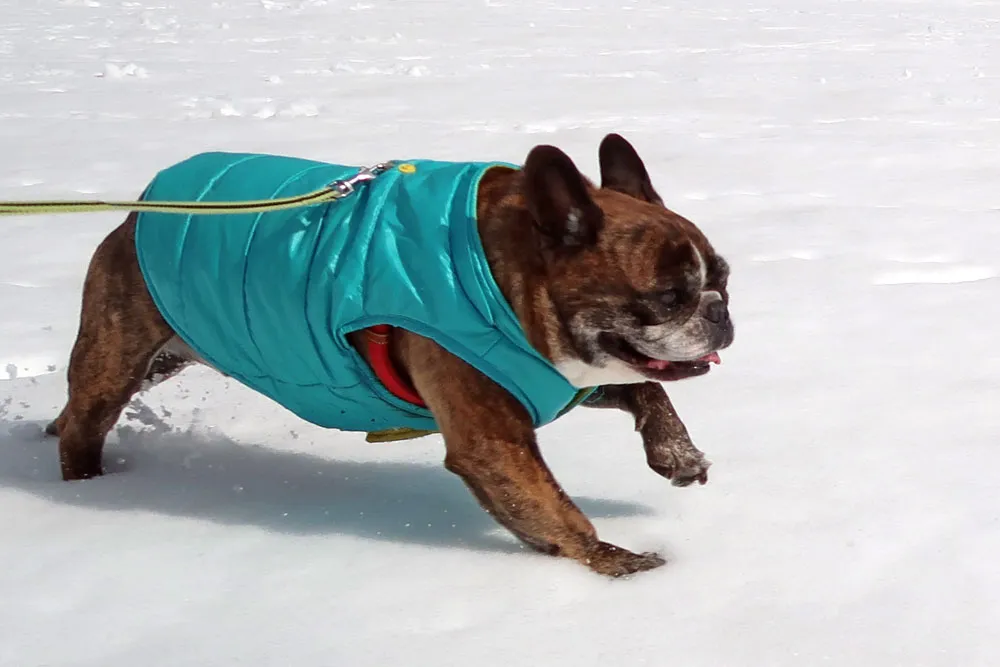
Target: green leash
point(334, 191)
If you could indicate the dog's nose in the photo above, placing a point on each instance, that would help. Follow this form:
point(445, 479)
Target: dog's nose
point(716, 312)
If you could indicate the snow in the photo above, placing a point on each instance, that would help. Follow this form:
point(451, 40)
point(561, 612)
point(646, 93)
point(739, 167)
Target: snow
point(841, 154)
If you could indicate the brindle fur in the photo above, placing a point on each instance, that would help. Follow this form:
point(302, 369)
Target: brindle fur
point(669, 450)
point(557, 245)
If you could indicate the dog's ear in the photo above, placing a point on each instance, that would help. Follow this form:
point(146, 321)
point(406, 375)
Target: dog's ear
point(558, 200)
point(622, 170)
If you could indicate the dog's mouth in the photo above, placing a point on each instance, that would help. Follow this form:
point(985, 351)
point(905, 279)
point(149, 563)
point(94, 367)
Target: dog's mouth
point(660, 370)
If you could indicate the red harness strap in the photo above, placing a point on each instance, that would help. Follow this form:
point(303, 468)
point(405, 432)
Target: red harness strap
point(377, 342)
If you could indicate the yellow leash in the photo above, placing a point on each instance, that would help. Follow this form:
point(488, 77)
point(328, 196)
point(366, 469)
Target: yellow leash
point(336, 190)
point(203, 208)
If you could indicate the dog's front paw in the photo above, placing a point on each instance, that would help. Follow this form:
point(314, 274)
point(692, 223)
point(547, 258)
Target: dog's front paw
point(682, 467)
point(614, 561)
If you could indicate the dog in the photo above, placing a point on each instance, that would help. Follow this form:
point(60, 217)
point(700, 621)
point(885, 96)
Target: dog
point(608, 294)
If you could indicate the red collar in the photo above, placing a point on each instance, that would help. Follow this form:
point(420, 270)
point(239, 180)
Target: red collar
point(377, 342)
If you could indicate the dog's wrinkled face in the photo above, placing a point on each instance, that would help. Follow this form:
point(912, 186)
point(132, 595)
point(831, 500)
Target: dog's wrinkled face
point(638, 289)
point(662, 314)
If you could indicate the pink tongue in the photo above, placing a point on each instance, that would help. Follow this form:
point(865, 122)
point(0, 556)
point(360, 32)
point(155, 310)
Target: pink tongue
point(660, 365)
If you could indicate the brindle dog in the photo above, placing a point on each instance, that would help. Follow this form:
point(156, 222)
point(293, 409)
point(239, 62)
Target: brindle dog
point(615, 289)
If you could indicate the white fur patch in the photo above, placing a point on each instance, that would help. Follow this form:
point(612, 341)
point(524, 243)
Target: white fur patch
point(702, 266)
point(582, 375)
point(573, 221)
point(572, 236)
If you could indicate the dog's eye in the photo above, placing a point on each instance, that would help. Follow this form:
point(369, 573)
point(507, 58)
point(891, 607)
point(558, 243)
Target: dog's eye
point(670, 297)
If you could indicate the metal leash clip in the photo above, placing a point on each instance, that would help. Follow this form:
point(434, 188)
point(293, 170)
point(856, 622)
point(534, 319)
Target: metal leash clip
point(346, 186)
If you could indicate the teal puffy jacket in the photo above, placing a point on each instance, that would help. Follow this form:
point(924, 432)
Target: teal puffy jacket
point(269, 298)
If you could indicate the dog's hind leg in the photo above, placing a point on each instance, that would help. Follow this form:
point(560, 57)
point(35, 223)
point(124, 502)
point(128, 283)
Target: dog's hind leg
point(121, 333)
point(166, 363)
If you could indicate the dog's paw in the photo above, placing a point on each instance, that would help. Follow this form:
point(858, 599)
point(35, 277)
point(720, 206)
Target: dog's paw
point(614, 561)
point(682, 467)
point(81, 466)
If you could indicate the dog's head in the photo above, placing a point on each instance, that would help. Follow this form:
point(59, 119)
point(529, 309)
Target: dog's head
point(638, 290)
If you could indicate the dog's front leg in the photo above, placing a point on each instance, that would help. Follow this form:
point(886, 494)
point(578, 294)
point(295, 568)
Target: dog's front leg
point(669, 450)
point(491, 445)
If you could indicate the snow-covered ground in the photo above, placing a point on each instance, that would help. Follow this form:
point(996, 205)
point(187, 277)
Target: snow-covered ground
point(842, 154)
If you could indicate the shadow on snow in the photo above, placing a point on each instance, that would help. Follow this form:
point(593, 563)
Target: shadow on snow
point(213, 478)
